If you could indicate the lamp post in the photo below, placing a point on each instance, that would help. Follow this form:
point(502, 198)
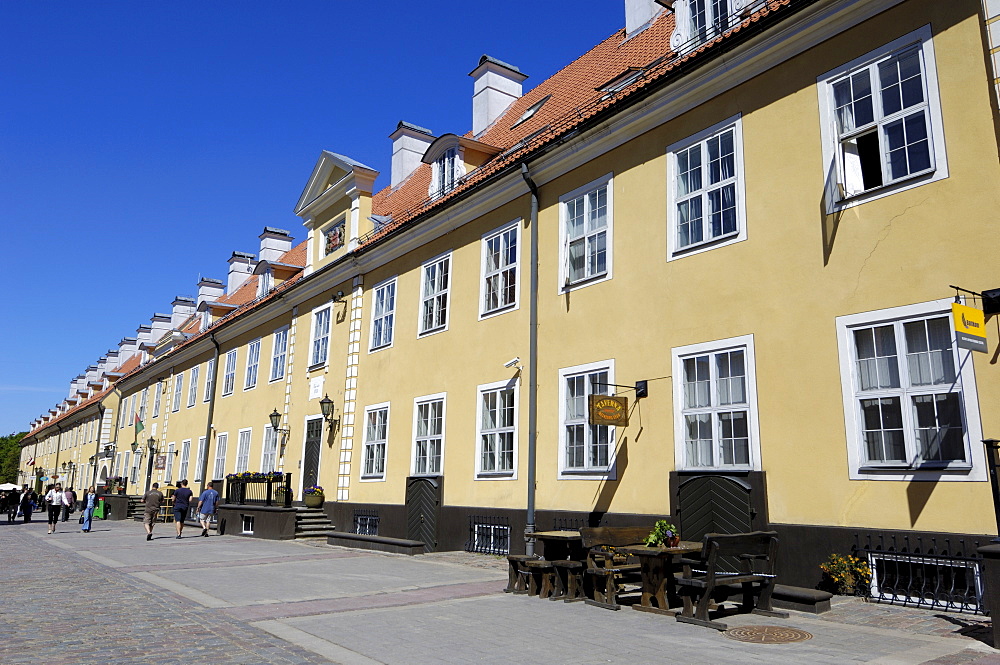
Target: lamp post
point(327, 406)
point(151, 445)
point(275, 419)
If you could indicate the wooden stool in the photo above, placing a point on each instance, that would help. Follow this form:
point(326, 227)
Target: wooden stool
point(540, 580)
point(517, 573)
point(569, 581)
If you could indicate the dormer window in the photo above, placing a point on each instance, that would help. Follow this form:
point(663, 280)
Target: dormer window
point(265, 283)
point(699, 21)
point(444, 169)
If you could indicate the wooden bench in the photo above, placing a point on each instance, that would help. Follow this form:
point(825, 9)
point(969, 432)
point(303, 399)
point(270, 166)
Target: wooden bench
point(610, 570)
point(709, 579)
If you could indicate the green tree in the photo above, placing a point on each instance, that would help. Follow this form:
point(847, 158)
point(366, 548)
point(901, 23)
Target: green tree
point(10, 457)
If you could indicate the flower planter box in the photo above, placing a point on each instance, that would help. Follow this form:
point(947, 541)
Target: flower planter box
point(313, 500)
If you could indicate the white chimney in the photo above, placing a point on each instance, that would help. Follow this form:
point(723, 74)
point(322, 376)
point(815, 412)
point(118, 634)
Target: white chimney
point(497, 86)
point(638, 13)
point(183, 309)
point(409, 143)
point(126, 349)
point(273, 244)
point(209, 290)
point(241, 265)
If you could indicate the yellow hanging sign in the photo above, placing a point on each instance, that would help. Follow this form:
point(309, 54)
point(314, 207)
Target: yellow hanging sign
point(970, 327)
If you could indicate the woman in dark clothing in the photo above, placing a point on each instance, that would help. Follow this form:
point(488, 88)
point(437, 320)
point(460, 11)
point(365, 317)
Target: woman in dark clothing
point(27, 504)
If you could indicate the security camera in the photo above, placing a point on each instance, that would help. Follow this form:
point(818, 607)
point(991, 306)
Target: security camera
point(513, 361)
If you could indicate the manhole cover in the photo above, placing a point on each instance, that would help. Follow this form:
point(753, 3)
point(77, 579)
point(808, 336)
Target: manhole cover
point(767, 634)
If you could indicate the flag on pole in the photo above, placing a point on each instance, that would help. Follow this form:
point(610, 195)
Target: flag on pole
point(138, 426)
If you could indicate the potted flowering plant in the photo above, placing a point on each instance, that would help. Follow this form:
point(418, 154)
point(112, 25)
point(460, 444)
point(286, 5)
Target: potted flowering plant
point(313, 496)
point(664, 534)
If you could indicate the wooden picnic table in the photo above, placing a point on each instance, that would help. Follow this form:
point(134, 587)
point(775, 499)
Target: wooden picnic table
point(657, 567)
point(562, 545)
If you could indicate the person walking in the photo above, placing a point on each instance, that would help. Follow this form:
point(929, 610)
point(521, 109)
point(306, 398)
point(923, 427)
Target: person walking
point(27, 504)
point(207, 504)
point(182, 501)
point(69, 503)
point(153, 500)
point(89, 503)
point(54, 500)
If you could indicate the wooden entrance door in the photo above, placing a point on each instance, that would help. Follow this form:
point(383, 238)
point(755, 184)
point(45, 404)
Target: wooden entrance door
point(423, 503)
point(310, 460)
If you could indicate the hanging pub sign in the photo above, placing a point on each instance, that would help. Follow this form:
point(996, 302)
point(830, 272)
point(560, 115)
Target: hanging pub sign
point(970, 327)
point(161, 462)
point(608, 410)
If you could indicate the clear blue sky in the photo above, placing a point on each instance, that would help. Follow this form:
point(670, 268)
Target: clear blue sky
point(141, 143)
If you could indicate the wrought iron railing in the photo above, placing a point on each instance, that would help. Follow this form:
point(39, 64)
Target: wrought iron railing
point(366, 522)
point(933, 573)
point(488, 534)
point(266, 489)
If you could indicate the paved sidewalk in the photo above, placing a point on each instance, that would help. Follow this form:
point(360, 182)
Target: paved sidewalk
point(232, 600)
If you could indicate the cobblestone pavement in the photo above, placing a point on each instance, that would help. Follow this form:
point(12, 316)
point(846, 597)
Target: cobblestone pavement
point(232, 600)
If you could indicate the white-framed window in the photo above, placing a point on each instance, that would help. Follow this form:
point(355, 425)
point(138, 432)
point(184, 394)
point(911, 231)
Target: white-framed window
point(497, 410)
point(383, 314)
point(185, 458)
point(142, 404)
point(910, 399)
point(219, 469)
point(269, 456)
point(193, 386)
point(247, 523)
point(445, 171)
point(229, 377)
point(178, 391)
point(200, 459)
point(715, 402)
point(435, 283)
point(711, 18)
point(585, 450)
point(265, 282)
point(376, 436)
point(279, 350)
point(320, 336)
point(134, 474)
point(428, 434)
point(501, 254)
point(881, 122)
point(243, 450)
point(706, 206)
point(253, 362)
point(585, 232)
point(168, 473)
point(209, 378)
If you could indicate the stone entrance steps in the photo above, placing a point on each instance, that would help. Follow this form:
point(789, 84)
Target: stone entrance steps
point(312, 523)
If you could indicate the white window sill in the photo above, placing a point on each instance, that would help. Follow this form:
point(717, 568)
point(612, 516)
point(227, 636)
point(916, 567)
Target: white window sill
point(498, 311)
point(495, 475)
point(432, 331)
point(586, 281)
point(316, 366)
point(705, 245)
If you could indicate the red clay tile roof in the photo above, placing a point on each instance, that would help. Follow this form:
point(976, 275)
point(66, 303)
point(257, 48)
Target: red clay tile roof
point(76, 409)
point(574, 99)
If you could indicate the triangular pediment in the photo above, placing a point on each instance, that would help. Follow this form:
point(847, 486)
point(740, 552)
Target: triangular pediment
point(331, 169)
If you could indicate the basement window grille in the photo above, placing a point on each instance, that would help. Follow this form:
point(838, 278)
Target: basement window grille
point(488, 535)
point(922, 574)
point(366, 522)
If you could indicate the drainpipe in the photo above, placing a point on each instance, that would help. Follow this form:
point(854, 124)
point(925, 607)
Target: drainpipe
point(100, 426)
point(211, 413)
point(529, 527)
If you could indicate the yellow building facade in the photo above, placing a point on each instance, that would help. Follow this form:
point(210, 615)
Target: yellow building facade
point(750, 225)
